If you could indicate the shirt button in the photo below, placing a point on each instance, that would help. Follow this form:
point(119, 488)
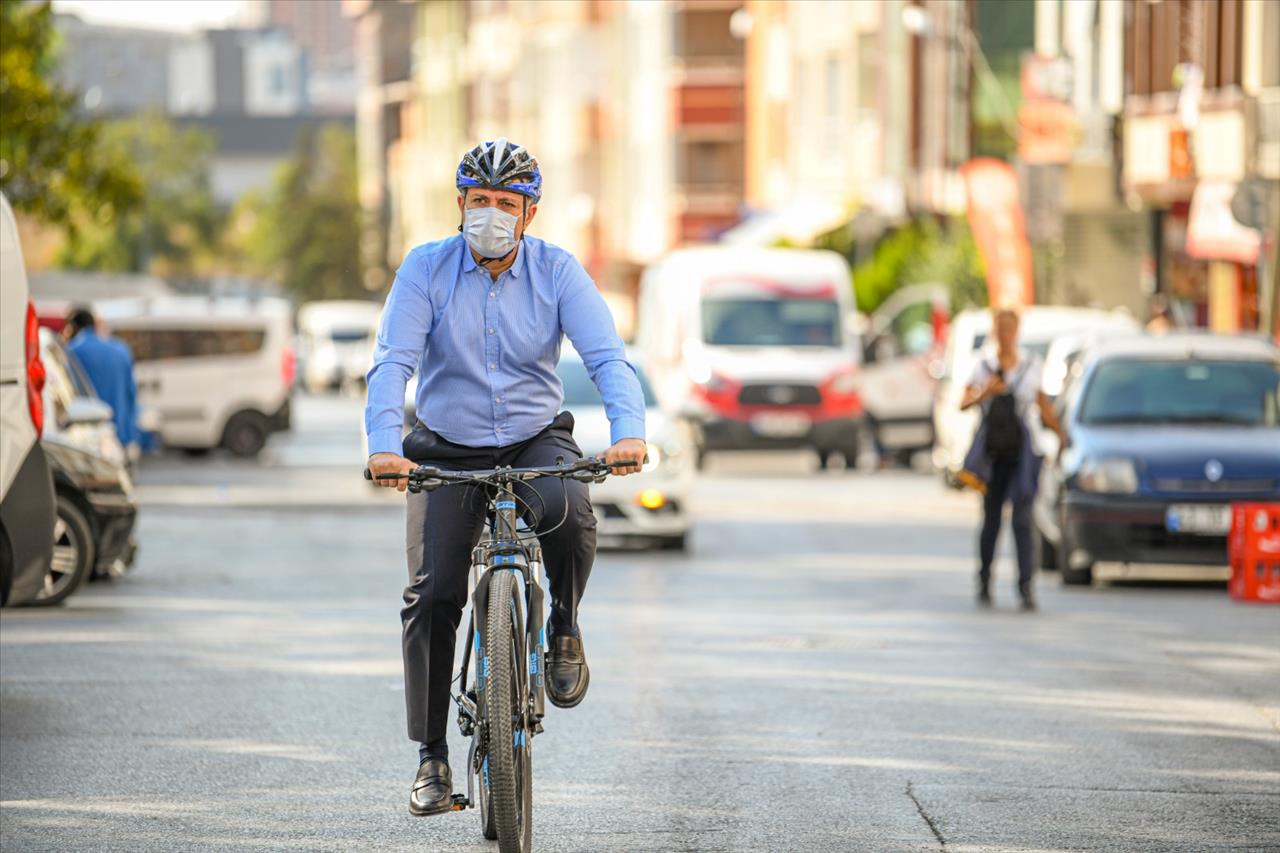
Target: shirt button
point(493, 293)
point(491, 331)
point(493, 366)
point(497, 399)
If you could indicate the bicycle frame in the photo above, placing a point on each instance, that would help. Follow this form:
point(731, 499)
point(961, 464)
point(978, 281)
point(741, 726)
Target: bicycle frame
point(502, 549)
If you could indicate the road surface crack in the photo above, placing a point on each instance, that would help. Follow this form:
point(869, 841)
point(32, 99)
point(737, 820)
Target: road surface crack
point(933, 827)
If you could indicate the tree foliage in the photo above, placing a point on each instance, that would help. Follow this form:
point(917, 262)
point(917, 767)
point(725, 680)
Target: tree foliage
point(176, 230)
point(923, 251)
point(305, 231)
point(51, 165)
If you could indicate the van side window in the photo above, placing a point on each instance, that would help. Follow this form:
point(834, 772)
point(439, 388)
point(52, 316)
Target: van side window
point(162, 344)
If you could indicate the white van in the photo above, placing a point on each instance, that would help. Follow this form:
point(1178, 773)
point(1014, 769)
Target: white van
point(753, 348)
point(26, 483)
point(217, 371)
point(967, 344)
point(335, 342)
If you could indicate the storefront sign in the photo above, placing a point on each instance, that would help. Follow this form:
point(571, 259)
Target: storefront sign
point(1213, 233)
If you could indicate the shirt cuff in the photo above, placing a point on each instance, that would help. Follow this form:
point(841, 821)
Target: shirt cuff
point(386, 440)
point(626, 428)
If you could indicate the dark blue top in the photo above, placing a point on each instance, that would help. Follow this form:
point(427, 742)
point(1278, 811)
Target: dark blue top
point(109, 366)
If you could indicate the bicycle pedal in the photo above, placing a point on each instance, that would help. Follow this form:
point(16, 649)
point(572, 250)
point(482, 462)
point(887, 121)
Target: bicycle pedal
point(460, 802)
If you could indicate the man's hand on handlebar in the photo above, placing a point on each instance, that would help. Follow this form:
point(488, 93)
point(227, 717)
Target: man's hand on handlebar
point(631, 450)
point(390, 463)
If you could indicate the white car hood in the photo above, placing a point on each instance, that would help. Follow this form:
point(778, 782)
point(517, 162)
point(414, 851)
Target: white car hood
point(777, 364)
point(591, 428)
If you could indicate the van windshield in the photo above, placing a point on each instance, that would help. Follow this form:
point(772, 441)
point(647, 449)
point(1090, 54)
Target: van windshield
point(746, 322)
point(350, 336)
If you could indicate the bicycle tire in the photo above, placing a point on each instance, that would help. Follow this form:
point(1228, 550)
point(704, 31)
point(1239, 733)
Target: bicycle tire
point(508, 751)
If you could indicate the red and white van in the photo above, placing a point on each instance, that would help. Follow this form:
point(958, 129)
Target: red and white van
point(754, 348)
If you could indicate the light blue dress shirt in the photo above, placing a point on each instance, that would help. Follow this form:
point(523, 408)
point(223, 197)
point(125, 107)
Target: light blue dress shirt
point(486, 351)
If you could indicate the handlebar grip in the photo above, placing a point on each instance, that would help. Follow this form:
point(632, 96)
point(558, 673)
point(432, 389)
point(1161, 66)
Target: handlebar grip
point(368, 475)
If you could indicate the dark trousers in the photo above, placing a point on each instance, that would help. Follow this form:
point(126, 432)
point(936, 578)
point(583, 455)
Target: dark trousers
point(559, 511)
point(1003, 472)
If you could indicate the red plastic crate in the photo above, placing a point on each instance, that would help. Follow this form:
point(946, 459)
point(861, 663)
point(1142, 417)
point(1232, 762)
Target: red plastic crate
point(1253, 548)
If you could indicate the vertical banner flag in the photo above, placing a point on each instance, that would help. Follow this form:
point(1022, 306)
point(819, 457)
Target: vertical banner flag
point(995, 216)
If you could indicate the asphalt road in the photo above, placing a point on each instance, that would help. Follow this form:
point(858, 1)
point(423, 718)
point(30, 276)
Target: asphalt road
point(813, 675)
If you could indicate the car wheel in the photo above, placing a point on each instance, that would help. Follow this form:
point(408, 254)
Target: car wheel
point(1077, 576)
point(73, 554)
point(246, 434)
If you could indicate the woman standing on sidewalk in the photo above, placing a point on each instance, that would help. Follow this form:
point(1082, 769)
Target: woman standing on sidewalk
point(1005, 453)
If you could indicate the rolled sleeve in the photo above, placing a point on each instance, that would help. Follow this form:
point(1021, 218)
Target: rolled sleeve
point(402, 338)
point(586, 320)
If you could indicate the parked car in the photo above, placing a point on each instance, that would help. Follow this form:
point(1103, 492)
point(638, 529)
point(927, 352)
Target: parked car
point(219, 372)
point(1164, 433)
point(651, 507)
point(752, 348)
point(335, 342)
point(96, 511)
point(967, 344)
point(904, 339)
point(26, 484)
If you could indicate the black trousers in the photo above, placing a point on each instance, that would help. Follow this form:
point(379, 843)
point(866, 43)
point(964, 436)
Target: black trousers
point(1003, 472)
point(559, 511)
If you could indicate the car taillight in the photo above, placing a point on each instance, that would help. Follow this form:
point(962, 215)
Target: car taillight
point(35, 371)
point(288, 366)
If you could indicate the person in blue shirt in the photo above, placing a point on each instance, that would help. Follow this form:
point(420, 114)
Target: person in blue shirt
point(480, 316)
point(108, 363)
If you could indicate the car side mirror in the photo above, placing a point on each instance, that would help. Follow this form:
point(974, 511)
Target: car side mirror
point(88, 410)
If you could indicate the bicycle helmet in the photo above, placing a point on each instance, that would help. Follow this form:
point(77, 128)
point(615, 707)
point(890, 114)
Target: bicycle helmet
point(500, 165)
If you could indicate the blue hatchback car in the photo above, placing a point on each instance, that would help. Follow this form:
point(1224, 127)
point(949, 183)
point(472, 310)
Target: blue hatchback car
point(1164, 433)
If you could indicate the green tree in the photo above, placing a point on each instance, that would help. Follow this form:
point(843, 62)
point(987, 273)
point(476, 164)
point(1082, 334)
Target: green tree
point(175, 232)
point(51, 164)
point(305, 232)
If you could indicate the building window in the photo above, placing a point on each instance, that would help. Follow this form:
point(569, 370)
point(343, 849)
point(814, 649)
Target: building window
point(704, 34)
point(711, 164)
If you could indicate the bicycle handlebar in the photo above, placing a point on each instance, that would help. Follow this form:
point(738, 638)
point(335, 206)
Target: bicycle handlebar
point(429, 478)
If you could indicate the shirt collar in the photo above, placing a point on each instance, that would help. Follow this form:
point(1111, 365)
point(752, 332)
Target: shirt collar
point(469, 260)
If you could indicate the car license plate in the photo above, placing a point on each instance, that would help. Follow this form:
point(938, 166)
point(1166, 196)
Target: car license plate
point(1205, 519)
point(781, 424)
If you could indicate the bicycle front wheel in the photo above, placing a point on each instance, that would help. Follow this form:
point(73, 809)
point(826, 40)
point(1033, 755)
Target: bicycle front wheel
point(509, 756)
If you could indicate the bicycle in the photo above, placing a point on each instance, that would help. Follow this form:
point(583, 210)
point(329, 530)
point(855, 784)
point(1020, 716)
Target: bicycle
point(503, 709)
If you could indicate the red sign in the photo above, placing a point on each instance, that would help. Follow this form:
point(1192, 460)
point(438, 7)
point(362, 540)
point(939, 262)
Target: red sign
point(995, 216)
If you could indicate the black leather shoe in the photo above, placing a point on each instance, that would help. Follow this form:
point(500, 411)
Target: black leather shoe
point(567, 673)
point(432, 789)
point(984, 593)
point(1028, 597)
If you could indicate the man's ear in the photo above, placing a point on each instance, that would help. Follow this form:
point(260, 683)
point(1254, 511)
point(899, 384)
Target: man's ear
point(529, 214)
point(462, 198)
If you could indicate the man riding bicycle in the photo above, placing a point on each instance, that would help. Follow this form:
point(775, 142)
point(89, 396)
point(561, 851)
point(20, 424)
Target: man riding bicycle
point(481, 317)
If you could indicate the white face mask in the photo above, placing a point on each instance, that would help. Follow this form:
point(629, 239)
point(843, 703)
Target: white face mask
point(491, 232)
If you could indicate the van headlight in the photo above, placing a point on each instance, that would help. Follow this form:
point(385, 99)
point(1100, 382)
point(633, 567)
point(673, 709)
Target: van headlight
point(655, 458)
point(1113, 476)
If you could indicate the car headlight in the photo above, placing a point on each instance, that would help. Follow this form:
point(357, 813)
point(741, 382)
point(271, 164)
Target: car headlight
point(655, 458)
point(1116, 476)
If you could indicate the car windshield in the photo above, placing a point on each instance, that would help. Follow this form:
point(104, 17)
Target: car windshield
point(350, 336)
point(579, 390)
point(1241, 393)
point(771, 322)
